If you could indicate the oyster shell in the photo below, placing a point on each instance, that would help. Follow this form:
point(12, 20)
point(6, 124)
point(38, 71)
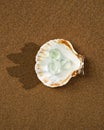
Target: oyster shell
point(57, 62)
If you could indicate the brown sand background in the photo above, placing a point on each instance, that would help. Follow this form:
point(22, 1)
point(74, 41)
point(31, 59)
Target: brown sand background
point(25, 104)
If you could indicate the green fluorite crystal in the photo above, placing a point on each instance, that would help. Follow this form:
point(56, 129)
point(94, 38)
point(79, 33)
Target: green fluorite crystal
point(57, 62)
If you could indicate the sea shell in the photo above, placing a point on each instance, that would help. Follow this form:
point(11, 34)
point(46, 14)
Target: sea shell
point(57, 62)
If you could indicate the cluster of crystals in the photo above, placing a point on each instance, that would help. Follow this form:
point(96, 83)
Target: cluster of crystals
point(58, 62)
